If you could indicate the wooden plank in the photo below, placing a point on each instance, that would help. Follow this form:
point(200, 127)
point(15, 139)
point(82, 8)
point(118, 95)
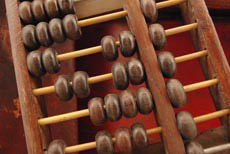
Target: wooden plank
point(172, 140)
point(37, 138)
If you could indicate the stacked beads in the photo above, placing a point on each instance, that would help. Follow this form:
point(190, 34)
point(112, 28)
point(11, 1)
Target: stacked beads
point(157, 36)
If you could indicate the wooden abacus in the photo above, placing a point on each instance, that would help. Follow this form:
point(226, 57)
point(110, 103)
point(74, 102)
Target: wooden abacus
point(149, 68)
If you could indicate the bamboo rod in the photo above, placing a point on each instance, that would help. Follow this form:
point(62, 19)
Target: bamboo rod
point(200, 85)
point(217, 148)
point(181, 29)
point(191, 56)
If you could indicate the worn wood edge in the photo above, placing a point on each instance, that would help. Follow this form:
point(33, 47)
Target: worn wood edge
point(37, 138)
point(165, 116)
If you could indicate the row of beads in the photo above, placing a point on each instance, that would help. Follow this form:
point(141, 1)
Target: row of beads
point(40, 10)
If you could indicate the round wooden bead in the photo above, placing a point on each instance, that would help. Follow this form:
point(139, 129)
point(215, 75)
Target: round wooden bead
point(38, 10)
point(43, 34)
point(186, 125)
point(194, 148)
point(139, 136)
point(56, 147)
point(63, 88)
point(157, 35)
point(136, 71)
point(80, 84)
point(96, 111)
point(149, 9)
point(127, 43)
point(57, 31)
point(104, 142)
point(120, 76)
point(50, 61)
point(51, 7)
point(144, 101)
point(123, 140)
point(128, 104)
point(34, 63)
point(176, 93)
point(112, 107)
point(72, 30)
point(66, 6)
point(25, 12)
point(29, 37)
point(167, 64)
point(109, 48)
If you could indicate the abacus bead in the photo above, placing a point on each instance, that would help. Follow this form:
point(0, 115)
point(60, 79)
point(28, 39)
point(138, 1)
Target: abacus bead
point(66, 6)
point(38, 10)
point(109, 48)
point(34, 63)
point(176, 93)
point(70, 25)
point(120, 76)
point(157, 35)
point(128, 104)
point(56, 147)
point(25, 12)
point(149, 9)
point(127, 43)
point(96, 111)
point(186, 125)
point(139, 136)
point(80, 84)
point(144, 101)
point(112, 107)
point(136, 71)
point(104, 142)
point(194, 148)
point(51, 7)
point(43, 34)
point(123, 140)
point(167, 64)
point(57, 31)
point(29, 37)
point(50, 61)
point(63, 88)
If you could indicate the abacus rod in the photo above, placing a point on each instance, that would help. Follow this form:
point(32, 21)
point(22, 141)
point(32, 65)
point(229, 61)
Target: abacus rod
point(181, 29)
point(200, 85)
point(191, 56)
point(217, 148)
point(92, 145)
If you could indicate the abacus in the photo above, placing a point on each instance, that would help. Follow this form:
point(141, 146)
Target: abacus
point(30, 29)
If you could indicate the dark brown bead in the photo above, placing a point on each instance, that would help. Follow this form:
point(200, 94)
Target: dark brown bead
point(57, 31)
point(127, 43)
point(56, 147)
point(80, 84)
point(144, 101)
point(176, 93)
point(43, 34)
point(136, 71)
point(29, 37)
point(157, 35)
point(50, 61)
point(109, 48)
point(112, 107)
point(120, 76)
point(38, 10)
point(186, 125)
point(128, 104)
point(63, 88)
point(96, 111)
point(66, 6)
point(194, 148)
point(139, 136)
point(70, 25)
point(51, 7)
point(167, 64)
point(34, 63)
point(149, 9)
point(123, 140)
point(25, 12)
point(104, 142)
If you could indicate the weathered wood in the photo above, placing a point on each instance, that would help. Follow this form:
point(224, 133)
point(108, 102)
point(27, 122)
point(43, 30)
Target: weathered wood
point(164, 112)
point(37, 138)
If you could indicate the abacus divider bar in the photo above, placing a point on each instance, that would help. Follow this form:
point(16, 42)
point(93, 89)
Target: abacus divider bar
point(180, 29)
point(191, 56)
point(217, 148)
